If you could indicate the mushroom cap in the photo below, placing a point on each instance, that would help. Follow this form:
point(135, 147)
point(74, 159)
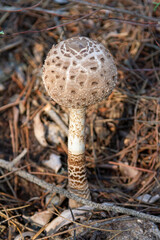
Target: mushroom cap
point(79, 72)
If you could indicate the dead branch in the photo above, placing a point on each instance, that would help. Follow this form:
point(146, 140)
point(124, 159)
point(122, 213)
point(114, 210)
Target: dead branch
point(11, 45)
point(14, 9)
point(51, 188)
point(113, 9)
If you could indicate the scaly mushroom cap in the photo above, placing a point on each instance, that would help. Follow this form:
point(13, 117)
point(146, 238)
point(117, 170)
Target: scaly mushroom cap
point(79, 72)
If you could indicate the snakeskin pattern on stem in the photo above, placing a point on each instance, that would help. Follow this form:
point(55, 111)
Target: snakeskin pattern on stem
point(77, 178)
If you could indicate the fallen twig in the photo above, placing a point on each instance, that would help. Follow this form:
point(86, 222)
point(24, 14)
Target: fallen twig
point(114, 9)
point(51, 188)
point(19, 157)
point(14, 9)
point(51, 28)
point(11, 45)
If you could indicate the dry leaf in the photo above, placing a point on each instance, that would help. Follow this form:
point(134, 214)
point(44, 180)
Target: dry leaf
point(154, 198)
point(41, 218)
point(54, 200)
point(147, 198)
point(66, 218)
point(24, 235)
point(39, 130)
point(38, 52)
point(128, 171)
point(54, 132)
point(2, 87)
point(101, 129)
point(54, 162)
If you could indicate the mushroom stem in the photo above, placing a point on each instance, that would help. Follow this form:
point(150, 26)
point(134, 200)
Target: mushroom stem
point(77, 178)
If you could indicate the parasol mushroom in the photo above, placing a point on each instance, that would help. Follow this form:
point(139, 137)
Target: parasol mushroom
point(78, 72)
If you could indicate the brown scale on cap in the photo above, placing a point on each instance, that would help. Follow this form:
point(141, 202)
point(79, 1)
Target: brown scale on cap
point(79, 72)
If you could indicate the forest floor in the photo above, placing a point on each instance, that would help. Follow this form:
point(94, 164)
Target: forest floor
point(123, 132)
